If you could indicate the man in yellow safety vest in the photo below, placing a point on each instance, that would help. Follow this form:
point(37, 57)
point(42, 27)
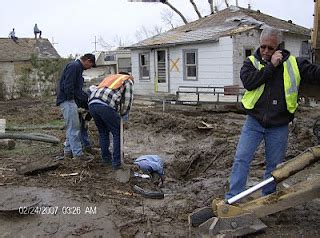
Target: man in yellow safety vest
point(271, 78)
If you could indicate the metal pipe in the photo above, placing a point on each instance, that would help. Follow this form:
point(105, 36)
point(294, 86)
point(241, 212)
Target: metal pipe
point(249, 191)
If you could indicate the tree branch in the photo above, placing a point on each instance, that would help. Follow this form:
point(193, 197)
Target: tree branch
point(176, 10)
point(211, 6)
point(195, 8)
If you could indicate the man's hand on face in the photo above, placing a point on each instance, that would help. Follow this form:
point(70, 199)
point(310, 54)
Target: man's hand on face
point(276, 58)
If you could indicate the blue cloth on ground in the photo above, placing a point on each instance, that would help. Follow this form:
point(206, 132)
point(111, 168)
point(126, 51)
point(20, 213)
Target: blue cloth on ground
point(150, 164)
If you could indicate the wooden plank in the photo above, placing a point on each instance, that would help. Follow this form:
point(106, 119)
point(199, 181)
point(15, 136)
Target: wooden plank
point(38, 166)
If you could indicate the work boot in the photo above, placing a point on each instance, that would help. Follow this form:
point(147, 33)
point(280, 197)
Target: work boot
point(105, 163)
point(84, 157)
point(91, 150)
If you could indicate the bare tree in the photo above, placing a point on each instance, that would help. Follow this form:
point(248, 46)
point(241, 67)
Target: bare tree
point(167, 18)
point(226, 2)
point(117, 41)
point(195, 8)
point(211, 6)
point(104, 44)
point(143, 32)
point(166, 2)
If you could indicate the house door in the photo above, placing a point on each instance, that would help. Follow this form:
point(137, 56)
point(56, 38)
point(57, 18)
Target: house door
point(161, 71)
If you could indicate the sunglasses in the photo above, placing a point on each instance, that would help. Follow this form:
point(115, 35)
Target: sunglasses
point(263, 47)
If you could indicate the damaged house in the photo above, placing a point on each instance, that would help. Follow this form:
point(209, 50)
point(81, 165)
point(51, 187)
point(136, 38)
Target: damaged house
point(27, 67)
point(208, 52)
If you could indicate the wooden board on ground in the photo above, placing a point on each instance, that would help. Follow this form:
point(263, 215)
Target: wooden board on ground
point(38, 166)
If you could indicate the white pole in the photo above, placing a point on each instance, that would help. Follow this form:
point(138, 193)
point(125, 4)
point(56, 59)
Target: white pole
point(250, 190)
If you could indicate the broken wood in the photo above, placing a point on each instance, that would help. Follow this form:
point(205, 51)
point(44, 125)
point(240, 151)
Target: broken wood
point(129, 223)
point(67, 175)
point(212, 161)
point(196, 157)
point(7, 144)
point(30, 136)
point(6, 169)
point(205, 125)
point(37, 127)
point(38, 166)
point(5, 184)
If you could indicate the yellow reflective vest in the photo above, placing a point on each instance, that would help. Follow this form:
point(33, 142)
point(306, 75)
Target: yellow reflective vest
point(114, 81)
point(291, 80)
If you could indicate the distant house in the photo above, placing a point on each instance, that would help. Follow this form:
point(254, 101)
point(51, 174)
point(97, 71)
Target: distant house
point(20, 71)
point(109, 62)
point(207, 52)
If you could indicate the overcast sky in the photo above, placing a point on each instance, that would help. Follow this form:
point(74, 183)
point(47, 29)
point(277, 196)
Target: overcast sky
point(73, 24)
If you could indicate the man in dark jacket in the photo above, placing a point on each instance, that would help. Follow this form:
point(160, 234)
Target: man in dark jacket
point(70, 97)
point(271, 78)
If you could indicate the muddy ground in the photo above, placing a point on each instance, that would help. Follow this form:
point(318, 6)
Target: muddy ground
point(85, 199)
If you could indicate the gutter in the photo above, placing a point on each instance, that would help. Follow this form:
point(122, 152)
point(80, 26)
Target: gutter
point(171, 44)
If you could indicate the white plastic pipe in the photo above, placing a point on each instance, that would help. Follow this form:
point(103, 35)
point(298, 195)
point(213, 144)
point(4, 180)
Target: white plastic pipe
point(250, 190)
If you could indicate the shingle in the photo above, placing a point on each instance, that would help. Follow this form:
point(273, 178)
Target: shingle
point(25, 48)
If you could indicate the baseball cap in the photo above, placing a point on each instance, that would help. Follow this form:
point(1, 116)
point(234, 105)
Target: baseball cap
point(92, 58)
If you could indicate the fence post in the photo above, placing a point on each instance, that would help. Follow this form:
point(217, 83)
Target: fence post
point(198, 95)
point(163, 104)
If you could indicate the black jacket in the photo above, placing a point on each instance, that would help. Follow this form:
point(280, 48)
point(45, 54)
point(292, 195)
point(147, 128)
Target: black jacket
point(70, 85)
point(271, 109)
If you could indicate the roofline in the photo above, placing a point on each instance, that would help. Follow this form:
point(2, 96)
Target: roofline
point(172, 44)
point(207, 40)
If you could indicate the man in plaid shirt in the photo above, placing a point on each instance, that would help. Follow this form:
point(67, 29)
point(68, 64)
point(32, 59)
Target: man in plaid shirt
point(108, 102)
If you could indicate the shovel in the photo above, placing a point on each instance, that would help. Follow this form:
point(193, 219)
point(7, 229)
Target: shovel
point(122, 175)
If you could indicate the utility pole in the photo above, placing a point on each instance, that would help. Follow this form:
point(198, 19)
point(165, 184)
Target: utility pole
point(95, 43)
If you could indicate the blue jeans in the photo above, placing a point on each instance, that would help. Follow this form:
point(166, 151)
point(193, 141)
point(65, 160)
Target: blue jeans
point(276, 140)
point(107, 120)
point(84, 137)
point(71, 119)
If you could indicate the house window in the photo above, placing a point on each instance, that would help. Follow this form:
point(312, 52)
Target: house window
point(248, 52)
point(144, 62)
point(190, 60)
point(110, 58)
point(305, 50)
point(124, 65)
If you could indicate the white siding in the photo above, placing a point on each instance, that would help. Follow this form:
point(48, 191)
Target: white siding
point(293, 44)
point(142, 87)
point(214, 64)
point(219, 63)
point(243, 41)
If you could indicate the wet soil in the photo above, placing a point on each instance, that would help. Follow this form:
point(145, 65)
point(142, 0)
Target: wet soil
point(197, 145)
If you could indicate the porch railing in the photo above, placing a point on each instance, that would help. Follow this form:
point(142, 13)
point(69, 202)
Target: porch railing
point(192, 94)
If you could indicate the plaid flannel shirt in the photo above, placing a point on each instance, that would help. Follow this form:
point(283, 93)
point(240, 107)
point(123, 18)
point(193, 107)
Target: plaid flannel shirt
point(113, 98)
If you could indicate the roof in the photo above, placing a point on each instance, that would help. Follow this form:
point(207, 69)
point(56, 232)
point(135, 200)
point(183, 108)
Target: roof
point(118, 53)
point(25, 48)
point(223, 23)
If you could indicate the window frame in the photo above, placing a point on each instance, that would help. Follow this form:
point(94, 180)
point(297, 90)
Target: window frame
point(185, 65)
point(141, 77)
point(128, 67)
point(245, 48)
